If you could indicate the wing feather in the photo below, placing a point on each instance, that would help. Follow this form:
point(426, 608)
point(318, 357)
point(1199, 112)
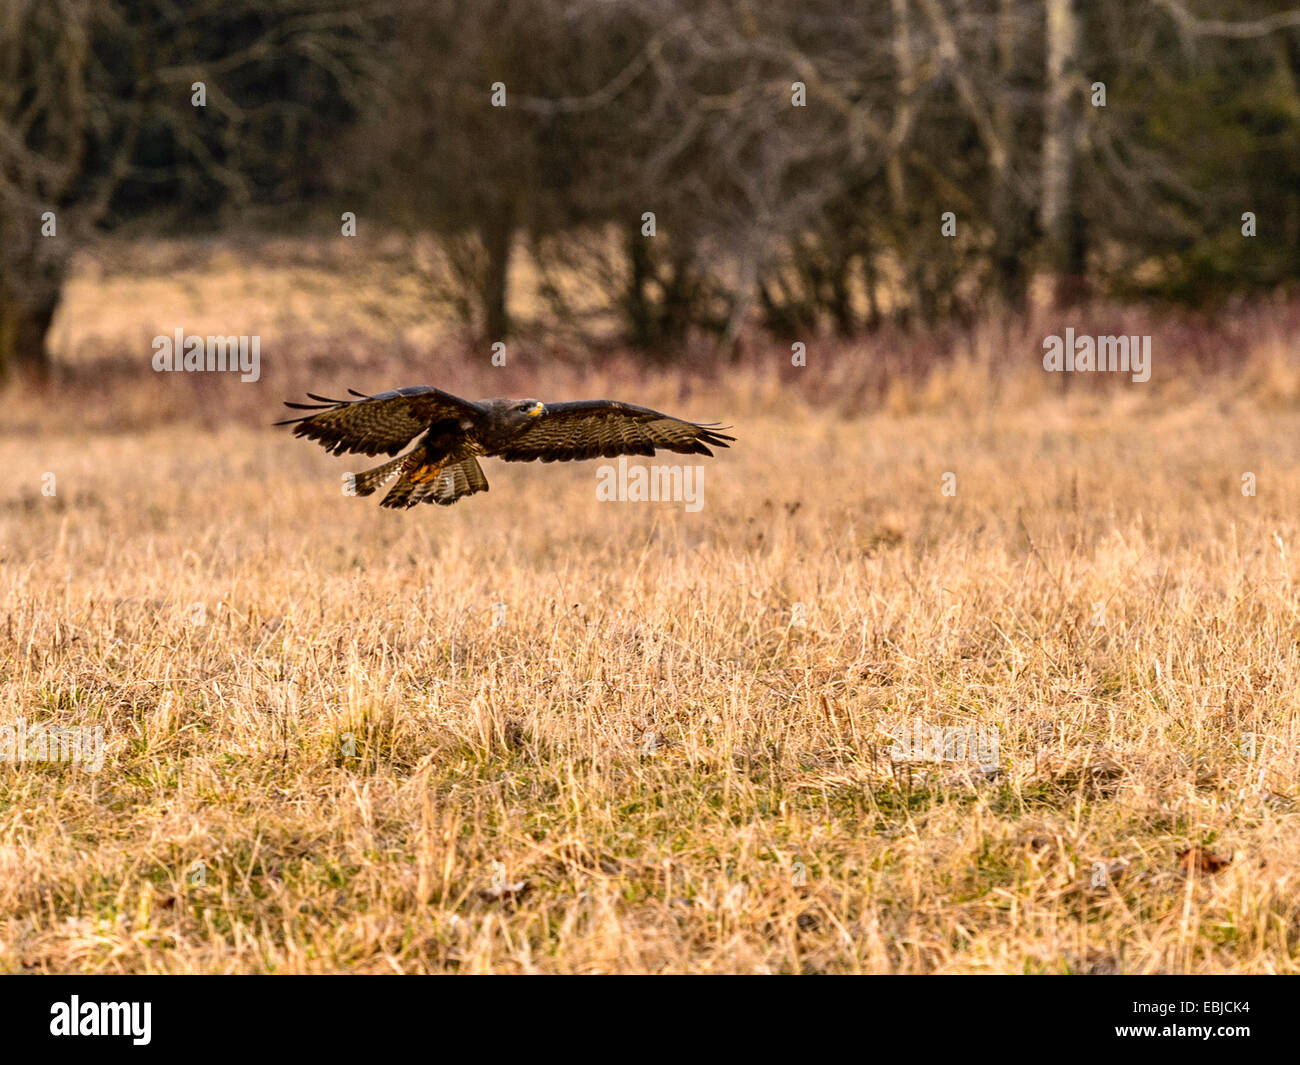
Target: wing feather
point(603, 428)
point(379, 424)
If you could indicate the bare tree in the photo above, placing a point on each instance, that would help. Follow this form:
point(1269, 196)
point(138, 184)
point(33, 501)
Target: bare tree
point(1061, 221)
point(110, 109)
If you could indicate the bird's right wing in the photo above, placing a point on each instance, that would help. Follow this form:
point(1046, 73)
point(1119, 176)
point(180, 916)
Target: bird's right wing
point(380, 424)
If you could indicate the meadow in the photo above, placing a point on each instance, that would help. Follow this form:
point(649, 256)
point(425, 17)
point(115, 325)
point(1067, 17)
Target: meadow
point(535, 732)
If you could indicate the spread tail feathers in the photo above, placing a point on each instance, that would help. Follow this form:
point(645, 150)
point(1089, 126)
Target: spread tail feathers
point(371, 480)
point(439, 483)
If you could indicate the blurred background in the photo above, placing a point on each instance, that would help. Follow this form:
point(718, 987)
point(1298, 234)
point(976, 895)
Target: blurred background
point(659, 180)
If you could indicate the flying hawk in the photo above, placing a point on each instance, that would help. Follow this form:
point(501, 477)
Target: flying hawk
point(443, 466)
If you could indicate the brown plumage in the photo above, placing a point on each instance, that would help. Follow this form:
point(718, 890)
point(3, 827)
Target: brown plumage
point(453, 432)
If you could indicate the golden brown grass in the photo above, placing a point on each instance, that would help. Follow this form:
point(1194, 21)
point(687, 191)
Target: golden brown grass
point(649, 765)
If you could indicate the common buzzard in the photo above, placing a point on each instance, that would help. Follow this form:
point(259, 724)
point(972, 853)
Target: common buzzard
point(443, 466)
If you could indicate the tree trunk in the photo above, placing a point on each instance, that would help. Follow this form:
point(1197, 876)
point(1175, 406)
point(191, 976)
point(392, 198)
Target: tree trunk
point(679, 308)
point(498, 240)
point(24, 322)
point(1012, 221)
point(1061, 218)
point(636, 305)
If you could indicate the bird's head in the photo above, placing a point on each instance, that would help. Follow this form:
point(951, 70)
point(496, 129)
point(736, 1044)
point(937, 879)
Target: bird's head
point(529, 408)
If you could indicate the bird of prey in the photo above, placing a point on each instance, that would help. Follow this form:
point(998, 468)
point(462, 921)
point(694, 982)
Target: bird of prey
point(454, 432)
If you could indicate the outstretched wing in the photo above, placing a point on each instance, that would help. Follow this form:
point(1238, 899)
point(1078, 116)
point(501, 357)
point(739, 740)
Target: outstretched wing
point(603, 428)
point(379, 424)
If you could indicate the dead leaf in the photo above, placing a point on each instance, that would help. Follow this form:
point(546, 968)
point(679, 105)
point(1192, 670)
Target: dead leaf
point(1197, 859)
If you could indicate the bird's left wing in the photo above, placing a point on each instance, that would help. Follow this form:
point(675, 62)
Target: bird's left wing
point(379, 424)
point(603, 428)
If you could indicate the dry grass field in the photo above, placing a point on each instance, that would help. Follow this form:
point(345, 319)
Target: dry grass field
point(535, 732)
